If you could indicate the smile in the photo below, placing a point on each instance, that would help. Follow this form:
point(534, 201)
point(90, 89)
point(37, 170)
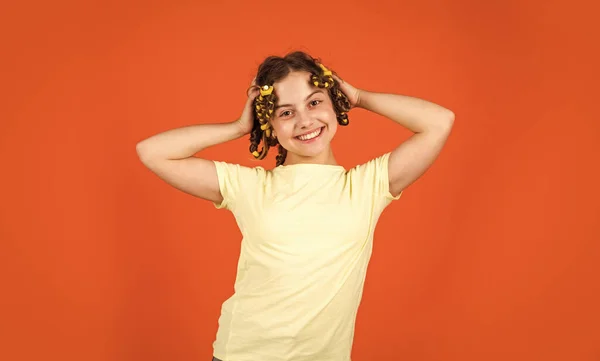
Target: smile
point(311, 135)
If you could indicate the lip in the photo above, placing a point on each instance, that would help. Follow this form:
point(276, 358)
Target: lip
point(313, 139)
point(310, 131)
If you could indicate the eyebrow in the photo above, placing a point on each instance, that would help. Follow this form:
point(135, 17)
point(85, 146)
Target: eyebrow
point(308, 97)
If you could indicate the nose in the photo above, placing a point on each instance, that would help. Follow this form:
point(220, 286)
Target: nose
point(304, 120)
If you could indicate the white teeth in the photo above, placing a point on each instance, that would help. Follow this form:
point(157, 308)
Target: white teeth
point(310, 135)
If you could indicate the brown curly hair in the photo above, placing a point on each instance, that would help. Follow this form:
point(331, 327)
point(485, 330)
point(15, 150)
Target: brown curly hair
point(275, 68)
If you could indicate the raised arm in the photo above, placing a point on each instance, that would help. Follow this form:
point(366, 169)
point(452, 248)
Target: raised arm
point(430, 122)
point(170, 155)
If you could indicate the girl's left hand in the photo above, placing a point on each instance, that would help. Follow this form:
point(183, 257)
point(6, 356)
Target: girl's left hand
point(351, 92)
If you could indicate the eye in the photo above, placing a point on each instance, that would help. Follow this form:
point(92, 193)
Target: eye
point(285, 113)
point(315, 102)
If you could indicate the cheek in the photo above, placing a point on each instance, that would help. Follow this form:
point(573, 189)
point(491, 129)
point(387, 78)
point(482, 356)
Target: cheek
point(326, 110)
point(327, 115)
point(283, 130)
point(333, 125)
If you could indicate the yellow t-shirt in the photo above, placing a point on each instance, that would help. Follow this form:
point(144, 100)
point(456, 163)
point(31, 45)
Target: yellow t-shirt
point(307, 240)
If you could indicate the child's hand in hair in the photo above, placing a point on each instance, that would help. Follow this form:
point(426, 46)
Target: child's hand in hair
point(352, 93)
point(246, 121)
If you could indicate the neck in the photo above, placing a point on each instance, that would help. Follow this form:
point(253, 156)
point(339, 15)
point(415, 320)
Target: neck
point(326, 157)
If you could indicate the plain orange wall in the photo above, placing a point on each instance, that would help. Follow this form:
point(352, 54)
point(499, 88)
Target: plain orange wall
point(492, 255)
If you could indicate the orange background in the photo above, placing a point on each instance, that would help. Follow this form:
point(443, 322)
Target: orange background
point(492, 255)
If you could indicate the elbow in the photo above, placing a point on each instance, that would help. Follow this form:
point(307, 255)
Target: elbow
point(451, 116)
point(143, 151)
point(444, 122)
point(139, 148)
point(448, 117)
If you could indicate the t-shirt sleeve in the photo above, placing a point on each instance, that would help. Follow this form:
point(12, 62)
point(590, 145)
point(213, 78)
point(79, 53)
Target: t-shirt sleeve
point(236, 182)
point(381, 165)
point(374, 177)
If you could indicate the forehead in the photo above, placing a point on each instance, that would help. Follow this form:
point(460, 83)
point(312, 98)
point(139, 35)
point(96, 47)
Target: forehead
point(294, 87)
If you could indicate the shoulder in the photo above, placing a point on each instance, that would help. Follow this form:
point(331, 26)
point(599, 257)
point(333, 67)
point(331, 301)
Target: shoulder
point(375, 167)
point(238, 171)
point(373, 176)
point(237, 181)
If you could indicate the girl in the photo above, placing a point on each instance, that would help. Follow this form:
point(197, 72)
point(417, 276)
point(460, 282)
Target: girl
point(307, 224)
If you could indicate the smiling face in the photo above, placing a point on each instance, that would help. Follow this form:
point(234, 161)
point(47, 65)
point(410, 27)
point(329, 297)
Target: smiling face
point(304, 120)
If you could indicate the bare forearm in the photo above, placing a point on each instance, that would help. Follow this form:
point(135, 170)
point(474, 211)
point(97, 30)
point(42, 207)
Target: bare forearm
point(415, 114)
point(184, 142)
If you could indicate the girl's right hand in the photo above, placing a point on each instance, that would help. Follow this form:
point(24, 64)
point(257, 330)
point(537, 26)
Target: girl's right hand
point(246, 121)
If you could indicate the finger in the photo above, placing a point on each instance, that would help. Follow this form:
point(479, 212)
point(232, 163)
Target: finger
point(252, 87)
point(250, 101)
point(337, 78)
point(252, 91)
